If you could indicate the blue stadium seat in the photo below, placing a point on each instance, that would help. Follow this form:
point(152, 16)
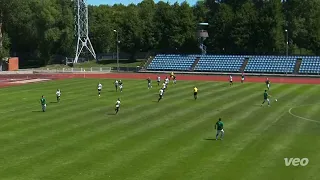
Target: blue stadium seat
point(172, 62)
point(271, 64)
point(220, 63)
point(310, 65)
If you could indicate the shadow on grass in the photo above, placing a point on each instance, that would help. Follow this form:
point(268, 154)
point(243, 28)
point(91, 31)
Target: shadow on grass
point(111, 114)
point(37, 111)
point(53, 102)
point(209, 139)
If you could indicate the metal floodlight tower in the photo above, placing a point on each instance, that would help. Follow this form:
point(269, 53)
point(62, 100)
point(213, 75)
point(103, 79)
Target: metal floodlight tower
point(82, 29)
point(202, 35)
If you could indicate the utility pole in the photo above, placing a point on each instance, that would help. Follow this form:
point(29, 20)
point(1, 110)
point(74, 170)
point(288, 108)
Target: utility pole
point(117, 49)
point(287, 43)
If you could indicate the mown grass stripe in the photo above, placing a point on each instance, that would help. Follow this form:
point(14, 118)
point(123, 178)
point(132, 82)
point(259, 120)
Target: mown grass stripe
point(177, 102)
point(171, 159)
point(277, 150)
point(58, 124)
point(135, 130)
point(67, 105)
point(230, 152)
point(249, 137)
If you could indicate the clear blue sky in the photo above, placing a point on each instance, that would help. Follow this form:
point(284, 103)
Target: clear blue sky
point(126, 2)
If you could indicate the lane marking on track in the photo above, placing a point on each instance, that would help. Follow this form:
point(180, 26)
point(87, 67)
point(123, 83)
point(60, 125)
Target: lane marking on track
point(300, 117)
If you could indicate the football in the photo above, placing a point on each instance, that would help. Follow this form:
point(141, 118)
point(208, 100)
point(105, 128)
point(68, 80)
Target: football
point(276, 99)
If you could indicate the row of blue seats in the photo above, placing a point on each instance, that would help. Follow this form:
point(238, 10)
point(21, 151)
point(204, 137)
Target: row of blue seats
point(245, 56)
point(222, 62)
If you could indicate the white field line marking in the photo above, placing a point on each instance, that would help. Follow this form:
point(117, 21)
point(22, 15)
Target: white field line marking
point(29, 81)
point(306, 119)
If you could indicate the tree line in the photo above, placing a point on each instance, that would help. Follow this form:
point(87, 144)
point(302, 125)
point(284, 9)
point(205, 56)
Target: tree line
point(40, 29)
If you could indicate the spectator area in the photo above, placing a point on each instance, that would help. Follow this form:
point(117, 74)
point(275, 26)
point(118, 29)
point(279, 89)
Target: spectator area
point(236, 63)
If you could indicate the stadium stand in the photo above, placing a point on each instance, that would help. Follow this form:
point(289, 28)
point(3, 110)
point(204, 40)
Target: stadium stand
point(310, 65)
point(236, 63)
point(271, 64)
point(172, 62)
point(220, 63)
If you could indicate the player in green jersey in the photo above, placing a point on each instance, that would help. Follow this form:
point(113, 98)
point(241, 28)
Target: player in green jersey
point(219, 128)
point(266, 97)
point(43, 103)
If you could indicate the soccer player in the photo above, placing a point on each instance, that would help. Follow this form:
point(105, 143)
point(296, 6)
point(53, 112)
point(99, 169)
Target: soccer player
point(58, 93)
point(242, 77)
point(116, 84)
point(167, 80)
point(149, 83)
point(117, 105)
point(268, 83)
point(171, 75)
point(174, 80)
point(164, 86)
point(160, 94)
point(158, 80)
point(120, 85)
point(219, 128)
point(266, 97)
point(230, 80)
point(195, 93)
point(99, 88)
point(43, 103)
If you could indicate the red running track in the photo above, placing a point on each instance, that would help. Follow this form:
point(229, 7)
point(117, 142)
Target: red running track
point(289, 80)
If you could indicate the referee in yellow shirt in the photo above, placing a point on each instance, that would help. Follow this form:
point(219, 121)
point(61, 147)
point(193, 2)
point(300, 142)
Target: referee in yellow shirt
point(195, 93)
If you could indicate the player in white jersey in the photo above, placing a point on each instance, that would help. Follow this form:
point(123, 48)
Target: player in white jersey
point(230, 80)
point(174, 79)
point(242, 77)
point(160, 94)
point(167, 80)
point(117, 106)
point(158, 80)
point(120, 85)
point(116, 84)
point(164, 86)
point(99, 88)
point(58, 93)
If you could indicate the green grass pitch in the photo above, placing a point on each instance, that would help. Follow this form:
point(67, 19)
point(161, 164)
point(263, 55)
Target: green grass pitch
point(80, 138)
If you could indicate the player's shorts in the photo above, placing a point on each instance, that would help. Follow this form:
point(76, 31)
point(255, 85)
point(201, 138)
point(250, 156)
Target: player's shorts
point(266, 99)
point(220, 131)
point(195, 93)
point(230, 81)
point(99, 90)
point(268, 85)
point(242, 79)
point(160, 96)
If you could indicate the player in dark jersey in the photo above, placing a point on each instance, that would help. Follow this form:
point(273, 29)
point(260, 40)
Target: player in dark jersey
point(219, 128)
point(268, 83)
point(149, 83)
point(43, 103)
point(266, 98)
